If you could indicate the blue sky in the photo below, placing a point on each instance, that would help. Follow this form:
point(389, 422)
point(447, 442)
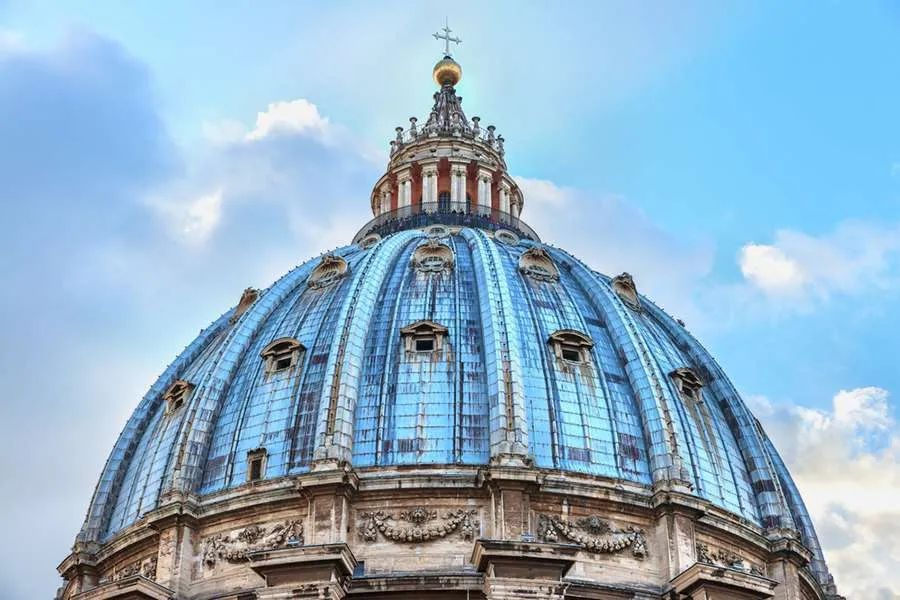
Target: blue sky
point(741, 159)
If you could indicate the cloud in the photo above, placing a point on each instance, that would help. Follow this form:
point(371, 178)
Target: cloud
point(117, 245)
point(855, 259)
point(611, 235)
point(846, 461)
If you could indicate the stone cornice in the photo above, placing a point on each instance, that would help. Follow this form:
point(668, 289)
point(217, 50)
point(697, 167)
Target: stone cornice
point(703, 576)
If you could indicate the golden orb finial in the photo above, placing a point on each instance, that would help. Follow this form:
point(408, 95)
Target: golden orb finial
point(447, 72)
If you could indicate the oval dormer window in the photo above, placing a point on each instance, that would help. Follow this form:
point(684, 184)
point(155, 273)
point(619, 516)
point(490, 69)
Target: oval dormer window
point(433, 257)
point(329, 271)
point(437, 231)
point(369, 241)
point(537, 264)
point(506, 237)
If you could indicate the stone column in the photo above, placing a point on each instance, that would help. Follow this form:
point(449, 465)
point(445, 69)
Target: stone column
point(484, 191)
point(787, 558)
point(516, 570)
point(385, 193)
point(404, 200)
point(429, 187)
point(458, 187)
point(504, 200)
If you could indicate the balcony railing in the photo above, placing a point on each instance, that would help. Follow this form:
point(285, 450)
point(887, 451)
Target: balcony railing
point(430, 213)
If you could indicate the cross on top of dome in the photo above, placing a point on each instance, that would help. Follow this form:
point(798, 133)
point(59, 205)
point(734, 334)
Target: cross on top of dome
point(446, 37)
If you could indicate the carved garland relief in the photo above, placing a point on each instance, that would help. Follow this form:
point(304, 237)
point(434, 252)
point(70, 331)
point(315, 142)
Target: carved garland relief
point(146, 567)
point(424, 525)
point(235, 547)
point(725, 558)
point(594, 534)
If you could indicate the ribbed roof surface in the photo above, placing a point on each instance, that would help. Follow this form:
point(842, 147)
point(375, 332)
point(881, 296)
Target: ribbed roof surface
point(495, 386)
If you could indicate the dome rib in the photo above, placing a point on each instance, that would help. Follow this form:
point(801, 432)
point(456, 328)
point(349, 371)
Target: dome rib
point(334, 433)
point(666, 463)
point(509, 432)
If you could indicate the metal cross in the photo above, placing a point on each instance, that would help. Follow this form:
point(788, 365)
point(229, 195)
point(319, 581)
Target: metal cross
point(446, 37)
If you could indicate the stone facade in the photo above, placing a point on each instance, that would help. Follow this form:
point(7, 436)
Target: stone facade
point(495, 532)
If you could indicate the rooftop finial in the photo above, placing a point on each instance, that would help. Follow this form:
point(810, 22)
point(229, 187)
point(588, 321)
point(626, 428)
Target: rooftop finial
point(447, 71)
point(446, 37)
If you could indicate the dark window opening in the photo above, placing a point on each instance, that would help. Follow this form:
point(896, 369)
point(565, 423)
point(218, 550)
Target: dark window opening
point(176, 404)
point(425, 345)
point(283, 362)
point(571, 354)
point(468, 203)
point(256, 469)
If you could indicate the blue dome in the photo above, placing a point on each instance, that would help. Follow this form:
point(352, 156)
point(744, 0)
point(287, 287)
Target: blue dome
point(446, 346)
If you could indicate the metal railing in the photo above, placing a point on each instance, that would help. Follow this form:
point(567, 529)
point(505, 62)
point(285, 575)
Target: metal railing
point(433, 213)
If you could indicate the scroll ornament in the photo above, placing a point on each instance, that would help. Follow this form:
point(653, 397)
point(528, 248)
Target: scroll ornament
point(594, 534)
point(255, 538)
point(425, 525)
point(724, 558)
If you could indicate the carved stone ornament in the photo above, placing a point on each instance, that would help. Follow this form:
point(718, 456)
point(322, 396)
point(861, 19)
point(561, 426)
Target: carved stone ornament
point(536, 264)
point(727, 559)
point(235, 547)
point(145, 567)
point(623, 286)
point(249, 296)
point(330, 270)
point(433, 257)
point(424, 525)
point(594, 534)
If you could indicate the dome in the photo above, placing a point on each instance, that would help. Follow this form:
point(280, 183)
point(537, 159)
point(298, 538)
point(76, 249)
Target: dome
point(447, 394)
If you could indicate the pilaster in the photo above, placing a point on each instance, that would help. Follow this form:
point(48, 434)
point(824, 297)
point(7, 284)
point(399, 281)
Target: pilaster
point(485, 177)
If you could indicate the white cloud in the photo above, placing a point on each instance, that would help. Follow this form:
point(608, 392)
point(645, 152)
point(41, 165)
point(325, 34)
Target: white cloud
point(295, 116)
point(854, 259)
point(770, 269)
point(846, 461)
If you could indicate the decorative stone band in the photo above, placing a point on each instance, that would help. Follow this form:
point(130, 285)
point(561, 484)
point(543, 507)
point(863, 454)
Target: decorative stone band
point(724, 558)
point(425, 526)
point(235, 547)
point(593, 534)
point(144, 568)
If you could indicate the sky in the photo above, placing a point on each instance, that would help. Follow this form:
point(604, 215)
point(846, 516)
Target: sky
point(740, 159)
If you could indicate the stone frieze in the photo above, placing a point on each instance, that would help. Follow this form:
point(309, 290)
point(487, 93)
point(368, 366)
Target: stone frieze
point(725, 558)
point(235, 547)
point(424, 525)
point(594, 534)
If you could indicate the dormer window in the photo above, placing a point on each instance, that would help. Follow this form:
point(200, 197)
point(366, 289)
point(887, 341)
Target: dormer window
point(282, 355)
point(536, 264)
point(176, 395)
point(433, 257)
point(369, 241)
point(571, 346)
point(623, 286)
point(506, 237)
point(256, 464)
point(423, 337)
point(329, 271)
point(688, 383)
